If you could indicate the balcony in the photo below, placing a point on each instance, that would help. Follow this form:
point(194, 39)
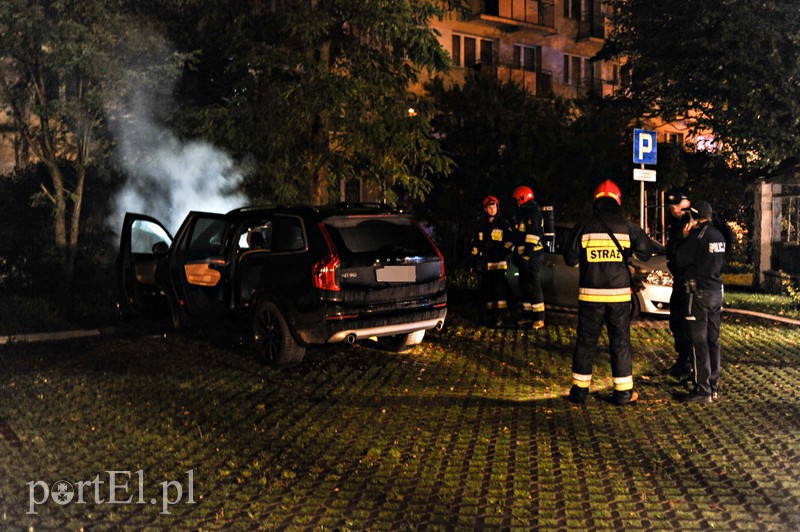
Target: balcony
point(592, 27)
point(516, 15)
point(596, 87)
point(538, 83)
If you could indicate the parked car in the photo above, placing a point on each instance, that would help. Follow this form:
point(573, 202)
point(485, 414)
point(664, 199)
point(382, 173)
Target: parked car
point(290, 277)
point(560, 282)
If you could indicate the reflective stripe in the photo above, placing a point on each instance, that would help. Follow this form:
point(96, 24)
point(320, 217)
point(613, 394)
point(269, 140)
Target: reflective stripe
point(623, 384)
point(502, 304)
point(535, 307)
point(480, 235)
point(497, 265)
point(604, 295)
point(603, 240)
point(581, 381)
point(474, 251)
point(532, 239)
point(492, 305)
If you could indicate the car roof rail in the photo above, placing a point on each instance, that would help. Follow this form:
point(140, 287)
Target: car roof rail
point(363, 205)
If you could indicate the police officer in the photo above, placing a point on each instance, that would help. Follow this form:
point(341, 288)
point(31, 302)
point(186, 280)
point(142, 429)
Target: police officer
point(678, 205)
point(529, 239)
point(700, 261)
point(491, 251)
point(601, 246)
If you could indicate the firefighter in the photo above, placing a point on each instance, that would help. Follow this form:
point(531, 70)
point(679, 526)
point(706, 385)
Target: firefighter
point(529, 239)
point(700, 261)
point(678, 205)
point(491, 251)
point(601, 247)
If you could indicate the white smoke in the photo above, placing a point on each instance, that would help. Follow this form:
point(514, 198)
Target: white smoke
point(167, 177)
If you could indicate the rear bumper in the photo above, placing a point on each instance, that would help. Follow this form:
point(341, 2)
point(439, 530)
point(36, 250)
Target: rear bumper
point(339, 328)
point(360, 333)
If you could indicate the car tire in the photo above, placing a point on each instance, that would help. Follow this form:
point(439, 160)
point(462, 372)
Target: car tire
point(401, 342)
point(272, 338)
point(636, 308)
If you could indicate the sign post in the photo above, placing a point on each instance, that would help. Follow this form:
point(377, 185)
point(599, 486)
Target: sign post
point(645, 151)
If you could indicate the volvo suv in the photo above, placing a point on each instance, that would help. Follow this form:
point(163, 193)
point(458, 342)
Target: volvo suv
point(289, 277)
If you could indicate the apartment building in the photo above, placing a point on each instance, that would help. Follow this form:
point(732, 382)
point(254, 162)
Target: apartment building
point(543, 46)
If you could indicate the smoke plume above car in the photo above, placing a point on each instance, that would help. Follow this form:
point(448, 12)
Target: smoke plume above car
point(166, 176)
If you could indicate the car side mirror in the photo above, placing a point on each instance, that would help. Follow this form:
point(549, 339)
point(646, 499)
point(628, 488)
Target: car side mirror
point(160, 248)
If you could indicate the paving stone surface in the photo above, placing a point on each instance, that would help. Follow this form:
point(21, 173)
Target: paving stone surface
point(469, 430)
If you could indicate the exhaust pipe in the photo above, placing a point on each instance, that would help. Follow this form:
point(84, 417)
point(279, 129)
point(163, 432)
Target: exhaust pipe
point(439, 325)
point(351, 339)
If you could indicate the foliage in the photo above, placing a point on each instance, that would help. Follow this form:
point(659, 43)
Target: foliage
point(792, 287)
point(317, 93)
point(500, 136)
point(64, 64)
point(731, 65)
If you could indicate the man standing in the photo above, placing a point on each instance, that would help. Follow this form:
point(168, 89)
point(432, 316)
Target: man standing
point(601, 247)
point(678, 204)
point(491, 250)
point(529, 238)
point(700, 261)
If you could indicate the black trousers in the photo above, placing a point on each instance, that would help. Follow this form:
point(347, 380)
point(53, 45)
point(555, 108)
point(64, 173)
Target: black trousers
point(704, 332)
point(617, 319)
point(678, 309)
point(530, 287)
point(494, 291)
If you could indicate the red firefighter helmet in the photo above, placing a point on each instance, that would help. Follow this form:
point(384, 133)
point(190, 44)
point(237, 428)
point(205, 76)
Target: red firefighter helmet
point(523, 194)
point(488, 200)
point(608, 189)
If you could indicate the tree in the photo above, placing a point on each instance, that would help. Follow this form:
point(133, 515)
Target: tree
point(730, 65)
point(317, 92)
point(501, 136)
point(63, 64)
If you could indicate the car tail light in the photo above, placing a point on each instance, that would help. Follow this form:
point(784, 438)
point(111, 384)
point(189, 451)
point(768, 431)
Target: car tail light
point(442, 275)
point(324, 271)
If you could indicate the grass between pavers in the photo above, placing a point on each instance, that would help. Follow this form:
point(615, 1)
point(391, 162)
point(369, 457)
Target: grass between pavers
point(469, 430)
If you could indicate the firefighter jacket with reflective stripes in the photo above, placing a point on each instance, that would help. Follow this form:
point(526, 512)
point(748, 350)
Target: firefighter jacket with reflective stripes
point(701, 257)
point(492, 244)
point(529, 231)
point(604, 276)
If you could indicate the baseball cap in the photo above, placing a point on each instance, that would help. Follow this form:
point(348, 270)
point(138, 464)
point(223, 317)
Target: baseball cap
point(702, 209)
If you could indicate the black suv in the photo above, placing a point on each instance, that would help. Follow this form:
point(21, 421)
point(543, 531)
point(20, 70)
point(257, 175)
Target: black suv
point(293, 276)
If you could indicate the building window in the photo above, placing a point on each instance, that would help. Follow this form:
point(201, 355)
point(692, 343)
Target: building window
point(790, 219)
point(675, 138)
point(527, 57)
point(573, 69)
point(467, 51)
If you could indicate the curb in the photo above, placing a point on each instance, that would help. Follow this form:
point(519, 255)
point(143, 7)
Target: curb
point(53, 336)
point(754, 314)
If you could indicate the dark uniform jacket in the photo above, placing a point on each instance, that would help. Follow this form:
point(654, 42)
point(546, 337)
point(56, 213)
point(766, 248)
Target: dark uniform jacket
point(492, 245)
point(701, 256)
point(604, 275)
point(675, 239)
point(529, 229)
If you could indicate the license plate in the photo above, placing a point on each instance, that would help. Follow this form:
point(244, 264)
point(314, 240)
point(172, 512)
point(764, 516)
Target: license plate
point(396, 274)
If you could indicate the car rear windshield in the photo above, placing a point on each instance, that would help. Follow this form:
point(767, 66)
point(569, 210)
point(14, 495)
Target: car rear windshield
point(385, 234)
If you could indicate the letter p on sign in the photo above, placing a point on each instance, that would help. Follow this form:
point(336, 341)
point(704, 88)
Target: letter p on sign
point(644, 146)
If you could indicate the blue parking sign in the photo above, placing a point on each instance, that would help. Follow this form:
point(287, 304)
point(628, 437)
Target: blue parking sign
point(645, 146)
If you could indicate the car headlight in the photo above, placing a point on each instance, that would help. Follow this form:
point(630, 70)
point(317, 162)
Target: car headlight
point(659, 277)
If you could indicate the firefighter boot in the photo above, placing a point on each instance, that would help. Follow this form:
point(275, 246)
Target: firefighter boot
point(624, 398)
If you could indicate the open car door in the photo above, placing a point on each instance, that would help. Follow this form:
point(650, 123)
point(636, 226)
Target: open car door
point(144, 245)
point(199, 267)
